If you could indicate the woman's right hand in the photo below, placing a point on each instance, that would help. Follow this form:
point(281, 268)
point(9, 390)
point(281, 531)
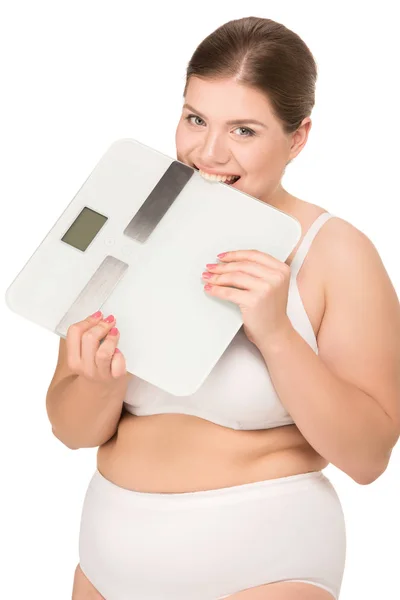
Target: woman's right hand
point(89, 356)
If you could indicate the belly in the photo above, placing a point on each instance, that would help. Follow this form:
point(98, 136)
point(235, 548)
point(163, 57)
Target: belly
point(174, 453)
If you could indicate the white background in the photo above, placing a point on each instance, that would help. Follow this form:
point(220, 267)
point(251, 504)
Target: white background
point(77, 76)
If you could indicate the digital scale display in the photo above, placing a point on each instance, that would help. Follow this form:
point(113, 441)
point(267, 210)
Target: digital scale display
point(84, 229)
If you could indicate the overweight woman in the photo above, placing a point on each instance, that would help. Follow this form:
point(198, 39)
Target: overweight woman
point(222, 494)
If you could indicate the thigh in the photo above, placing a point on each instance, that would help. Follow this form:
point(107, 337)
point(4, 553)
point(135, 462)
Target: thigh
point(83, 589)
point(283, 591)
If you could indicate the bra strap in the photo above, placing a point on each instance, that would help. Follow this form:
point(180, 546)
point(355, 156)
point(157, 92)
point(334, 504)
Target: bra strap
point(301, 253)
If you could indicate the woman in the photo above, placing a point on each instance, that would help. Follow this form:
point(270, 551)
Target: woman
point(222, 494)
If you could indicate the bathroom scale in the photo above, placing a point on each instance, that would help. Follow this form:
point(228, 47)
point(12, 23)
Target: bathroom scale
point(133, 242)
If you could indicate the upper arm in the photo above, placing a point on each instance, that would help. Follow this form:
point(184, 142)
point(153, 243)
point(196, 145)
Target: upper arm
point(359, 337)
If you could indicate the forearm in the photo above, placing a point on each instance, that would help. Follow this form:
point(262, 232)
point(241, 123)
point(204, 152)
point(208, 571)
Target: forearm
point(344, 424)
point(85, 414)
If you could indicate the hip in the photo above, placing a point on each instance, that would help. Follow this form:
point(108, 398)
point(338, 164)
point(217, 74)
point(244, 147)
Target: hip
point(239, 536)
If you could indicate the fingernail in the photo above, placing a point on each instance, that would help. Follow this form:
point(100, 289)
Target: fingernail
point(116, 351)
point(96, 315)
point(113, 331)
point(222, 254)
point(109, 319)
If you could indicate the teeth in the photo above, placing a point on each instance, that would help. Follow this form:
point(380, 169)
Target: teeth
point(222, 178)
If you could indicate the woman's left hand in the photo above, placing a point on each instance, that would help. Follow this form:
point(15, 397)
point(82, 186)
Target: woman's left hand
point(259, 284)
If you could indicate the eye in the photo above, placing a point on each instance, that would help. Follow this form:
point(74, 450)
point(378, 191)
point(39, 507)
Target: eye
point(193, 117)
point(250, 132)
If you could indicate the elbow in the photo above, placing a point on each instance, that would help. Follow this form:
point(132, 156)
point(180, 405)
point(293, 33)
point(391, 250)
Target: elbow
point(94, 442)
point(369, 473)
point(365, 478)
point(373, 466)
point(67, 444)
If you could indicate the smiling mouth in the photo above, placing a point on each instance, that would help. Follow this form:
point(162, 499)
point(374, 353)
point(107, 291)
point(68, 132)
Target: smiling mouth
point(232, 181)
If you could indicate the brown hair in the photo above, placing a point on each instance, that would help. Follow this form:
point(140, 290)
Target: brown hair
point(262, 54)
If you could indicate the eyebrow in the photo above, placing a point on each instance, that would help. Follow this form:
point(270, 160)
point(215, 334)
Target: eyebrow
point(232, 122)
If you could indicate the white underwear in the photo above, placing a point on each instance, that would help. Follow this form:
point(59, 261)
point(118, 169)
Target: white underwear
point(208, 545)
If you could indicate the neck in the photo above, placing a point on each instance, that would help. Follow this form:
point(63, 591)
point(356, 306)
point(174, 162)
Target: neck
point(279, 198)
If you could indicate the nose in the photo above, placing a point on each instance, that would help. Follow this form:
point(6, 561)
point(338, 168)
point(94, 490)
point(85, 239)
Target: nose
point(213, 150)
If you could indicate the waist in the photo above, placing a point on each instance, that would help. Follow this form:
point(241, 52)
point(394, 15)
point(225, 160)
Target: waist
point(181, 453)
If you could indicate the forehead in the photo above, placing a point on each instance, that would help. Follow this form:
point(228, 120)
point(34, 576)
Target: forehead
point(227, 99)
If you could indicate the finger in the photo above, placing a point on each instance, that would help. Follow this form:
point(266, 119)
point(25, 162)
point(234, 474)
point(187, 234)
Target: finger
point(255, 256)
point(105, 352)
point(118, 365)
point(239, 297)
point(90, 344)
point(245, 266)
point(239, 280)
point(74, 339)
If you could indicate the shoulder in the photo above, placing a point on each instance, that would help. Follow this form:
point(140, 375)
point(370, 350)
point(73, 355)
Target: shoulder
point(345, 232)
point(341, 247)
point(342, 256)
point(352, 273)
point(334, 228)
point(337, 244)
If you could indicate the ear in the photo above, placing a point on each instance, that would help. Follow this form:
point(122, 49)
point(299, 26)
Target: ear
point(299, 137)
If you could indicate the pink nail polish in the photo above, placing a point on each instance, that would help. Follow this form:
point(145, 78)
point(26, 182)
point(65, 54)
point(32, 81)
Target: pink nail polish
point(222, 254)
point(96, 315)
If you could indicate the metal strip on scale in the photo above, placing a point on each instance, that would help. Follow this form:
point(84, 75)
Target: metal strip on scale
point(94, 294)
point(159, 201)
